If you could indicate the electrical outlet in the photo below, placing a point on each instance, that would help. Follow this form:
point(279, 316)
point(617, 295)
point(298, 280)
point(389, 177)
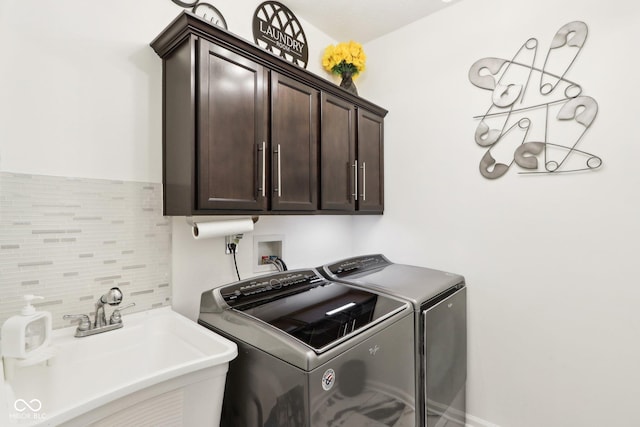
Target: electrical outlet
point(235, 239)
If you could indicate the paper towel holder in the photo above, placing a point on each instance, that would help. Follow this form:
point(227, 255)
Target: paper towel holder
point(194, 225)
point(190, 220)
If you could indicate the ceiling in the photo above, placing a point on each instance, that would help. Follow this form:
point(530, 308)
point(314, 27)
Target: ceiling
point(362, 20)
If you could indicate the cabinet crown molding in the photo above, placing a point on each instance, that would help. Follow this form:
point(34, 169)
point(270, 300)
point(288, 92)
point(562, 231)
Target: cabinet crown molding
point(187, 23)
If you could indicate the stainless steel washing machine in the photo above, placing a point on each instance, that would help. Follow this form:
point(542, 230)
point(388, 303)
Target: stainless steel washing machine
point(313, 353)
point(439, 300)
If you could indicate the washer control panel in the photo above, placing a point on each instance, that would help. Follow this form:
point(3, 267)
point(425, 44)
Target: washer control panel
point(267, 288)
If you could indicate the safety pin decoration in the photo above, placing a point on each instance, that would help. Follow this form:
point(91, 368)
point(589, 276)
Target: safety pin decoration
point(542, 134)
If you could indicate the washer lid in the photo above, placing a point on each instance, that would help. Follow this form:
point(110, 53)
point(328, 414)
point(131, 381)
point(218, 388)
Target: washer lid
point(376, 272)
point(303, 305)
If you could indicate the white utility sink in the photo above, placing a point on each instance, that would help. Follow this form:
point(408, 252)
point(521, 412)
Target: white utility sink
point(159, 369)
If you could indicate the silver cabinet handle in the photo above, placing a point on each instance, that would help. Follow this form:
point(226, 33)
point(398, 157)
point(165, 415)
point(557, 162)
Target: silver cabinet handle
point(355, 180)
point(264, 164)
point(279, 152)
point(364, 181)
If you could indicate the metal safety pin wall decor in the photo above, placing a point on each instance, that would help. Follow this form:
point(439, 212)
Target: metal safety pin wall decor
point(552, 122)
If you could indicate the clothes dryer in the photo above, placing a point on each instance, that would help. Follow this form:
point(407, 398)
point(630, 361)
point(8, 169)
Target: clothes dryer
point(439, 301)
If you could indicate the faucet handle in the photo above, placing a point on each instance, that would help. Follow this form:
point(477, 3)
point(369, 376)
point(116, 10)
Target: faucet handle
point(116, 317)
point(84, 323)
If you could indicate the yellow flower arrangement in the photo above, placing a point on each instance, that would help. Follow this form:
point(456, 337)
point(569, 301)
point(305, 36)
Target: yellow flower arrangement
point(344, 58)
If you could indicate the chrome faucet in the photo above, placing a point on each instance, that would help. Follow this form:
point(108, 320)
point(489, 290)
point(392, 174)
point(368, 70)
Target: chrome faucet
point(113, 297)
point(99, 325)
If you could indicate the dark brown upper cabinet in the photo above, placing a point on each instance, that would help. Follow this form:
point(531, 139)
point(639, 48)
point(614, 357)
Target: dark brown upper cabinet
point(338, 170)
point(370, 162)
point(246, 132)
point(351, 160)
point(294, 145)
point(232, 130)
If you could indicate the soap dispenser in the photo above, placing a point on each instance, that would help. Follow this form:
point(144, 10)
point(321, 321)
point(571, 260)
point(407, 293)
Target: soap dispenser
point(28, 333)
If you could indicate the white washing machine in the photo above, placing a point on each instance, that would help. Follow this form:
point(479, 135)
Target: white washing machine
point(439, 301)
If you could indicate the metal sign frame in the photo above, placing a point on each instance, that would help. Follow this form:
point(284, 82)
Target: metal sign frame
point(276, 29)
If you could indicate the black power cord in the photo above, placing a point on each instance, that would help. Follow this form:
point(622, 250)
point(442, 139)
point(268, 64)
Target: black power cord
point(232, 248)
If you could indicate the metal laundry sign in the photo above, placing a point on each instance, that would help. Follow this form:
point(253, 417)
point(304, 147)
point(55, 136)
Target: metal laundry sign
point(277, 29)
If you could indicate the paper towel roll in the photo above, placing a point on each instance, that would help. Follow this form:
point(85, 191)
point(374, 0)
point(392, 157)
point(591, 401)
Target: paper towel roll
point(206, 230)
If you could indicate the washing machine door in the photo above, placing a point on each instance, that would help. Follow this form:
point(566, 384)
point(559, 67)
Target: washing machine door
point(445, 360)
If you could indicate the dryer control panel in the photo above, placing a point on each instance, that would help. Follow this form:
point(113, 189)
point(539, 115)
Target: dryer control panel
point(357, 265)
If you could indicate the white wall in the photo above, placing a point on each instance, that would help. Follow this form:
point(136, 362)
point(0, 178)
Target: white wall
point(549, 260)
point(80, 88)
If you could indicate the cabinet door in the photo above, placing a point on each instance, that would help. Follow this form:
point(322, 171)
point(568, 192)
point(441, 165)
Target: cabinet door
point(370, 162)
point(337, 155)
point(294, 145)
point(232, 130)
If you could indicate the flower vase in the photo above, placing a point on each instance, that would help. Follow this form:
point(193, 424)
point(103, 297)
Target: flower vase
point(347, 83)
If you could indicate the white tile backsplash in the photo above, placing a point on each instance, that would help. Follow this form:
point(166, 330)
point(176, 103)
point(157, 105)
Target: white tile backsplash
point(71, 239)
